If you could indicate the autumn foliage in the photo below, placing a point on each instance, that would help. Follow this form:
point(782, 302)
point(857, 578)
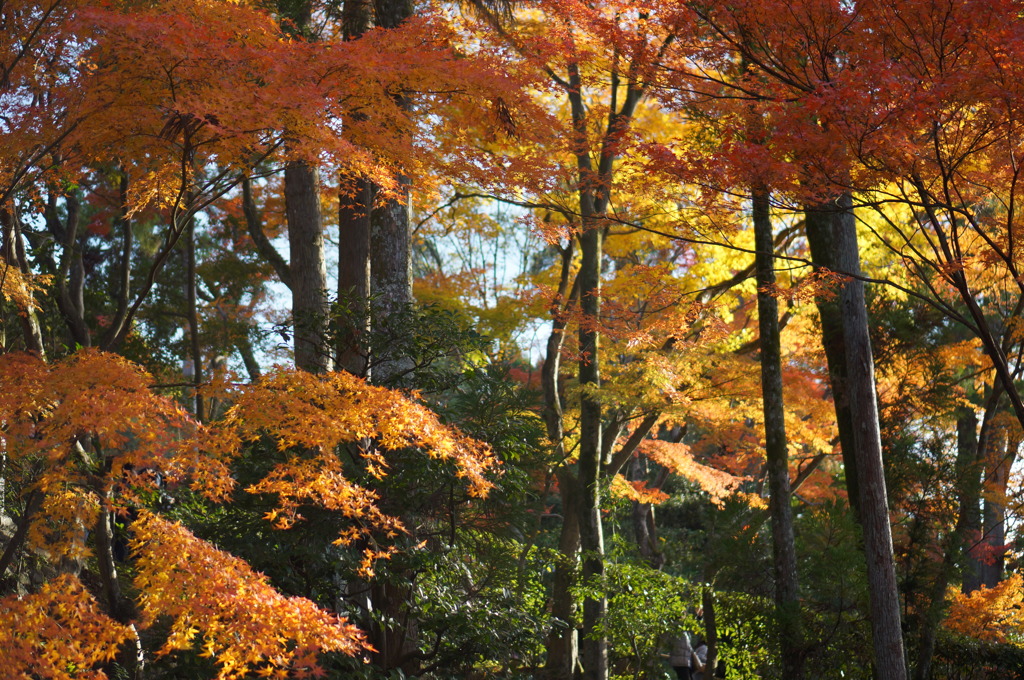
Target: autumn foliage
point(992, 614)
point(87, 437)
point(61, 632)
point(572, 187)
point(216, 598)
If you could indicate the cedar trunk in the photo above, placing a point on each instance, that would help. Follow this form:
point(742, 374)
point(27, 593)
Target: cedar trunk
point(308, 268)
point(192, 311)
point(883, 593)
point(390, 252)
point(787, 603)
point(1000, 459)
point(820, 238)
point(390, 277)
point(355, 201)
point(595, 649)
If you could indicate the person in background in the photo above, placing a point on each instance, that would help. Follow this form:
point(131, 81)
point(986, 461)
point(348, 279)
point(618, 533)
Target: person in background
point(681, 658)
point(700, 660)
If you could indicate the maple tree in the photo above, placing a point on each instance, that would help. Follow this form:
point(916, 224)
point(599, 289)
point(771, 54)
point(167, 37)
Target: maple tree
point(647, 188)
point(85, 438)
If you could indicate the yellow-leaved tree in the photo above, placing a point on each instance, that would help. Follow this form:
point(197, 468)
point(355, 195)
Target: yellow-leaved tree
point(994, 614)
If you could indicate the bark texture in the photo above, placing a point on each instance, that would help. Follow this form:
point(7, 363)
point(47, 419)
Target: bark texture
point(192, 311)
point(390, 251)
point(970, 502)
point(70, 271)
point(820, 238)
point(787, 602)
point(562, 642)
point(355, 203)
point(883, 592)
point(1000, 457)
point(595, 651)
point(308, 267)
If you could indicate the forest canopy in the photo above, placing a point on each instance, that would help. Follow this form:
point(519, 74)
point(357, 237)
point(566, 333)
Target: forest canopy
point(548, 339)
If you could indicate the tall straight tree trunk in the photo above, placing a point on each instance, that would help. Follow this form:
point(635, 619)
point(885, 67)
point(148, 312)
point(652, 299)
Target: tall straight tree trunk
point(307, 266)
point(971, 499)
point(390, 260)
point(787, 602)
point(356, 16)
point(355, 203)
point(562, 643)
point(594, 190)
point(821, 239)
point(999, 460)
point(595, 650)
point(887, 635)
point(390, 251)
point(968, 485)
point(390, 276)
point(390, 294)
point(192, 311)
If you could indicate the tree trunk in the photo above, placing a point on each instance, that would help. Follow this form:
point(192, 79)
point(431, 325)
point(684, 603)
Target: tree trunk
point(120, 608)
point(14, 254)
point(356, 16)
point(70, 272)
point(390, 251)
point(594, 651)
point(562, 641)
point(645, 528)
point(787, 602)
point(391, 13)
point(999, 460)
point(192, 311)
point(968, 484)
point(355, 203)
point(820, 237)
point(390, 276)
point(307, 267)
point(594, 190)
point(883, 593)
point(971, 499)
point(707, 601)
point(394, 635)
